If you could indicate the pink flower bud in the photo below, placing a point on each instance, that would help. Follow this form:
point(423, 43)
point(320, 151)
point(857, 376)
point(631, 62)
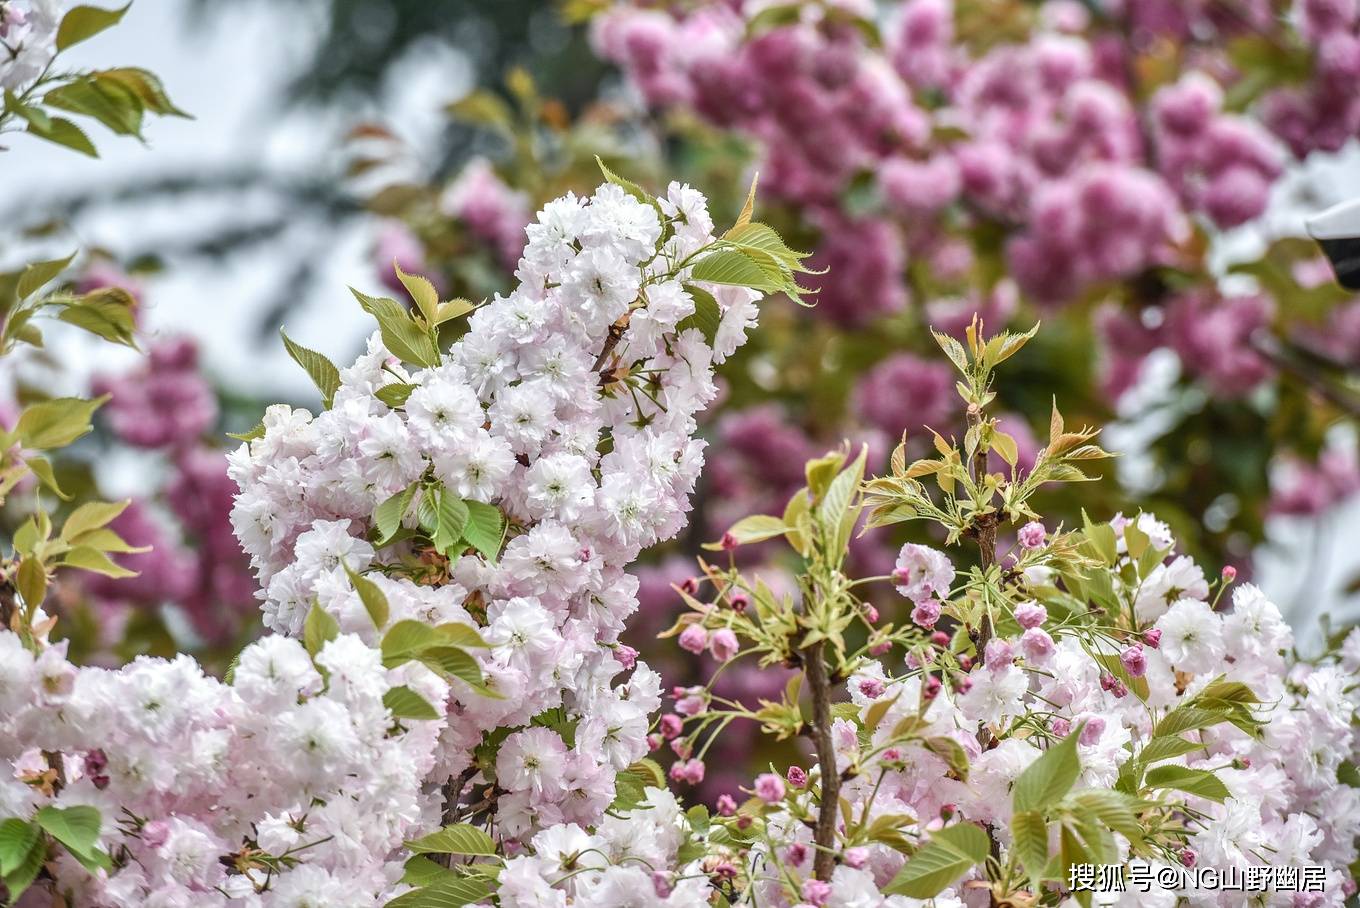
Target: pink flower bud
point(769, 788)
point(654, 742)
point(940, 639)
point(1032, 534)
point(690, 586)
point(1030, 614)
point(739, 602)
point(1060, 727)
point(881, 648)
point(693, 639)
point(661, 884)
point(1092, 730)
point(932, 688)
point(965, 663)
point(947, 811)
point(723, 644)
point(1229, 573)
point(816, 892)
point(870, 614)
point(999, 654)
point(1037, 645)
point(872, 688)
point(1153, 637)
point(963, 684)
point(155, 833)
point(1134, 660)
point(926, 613)
point(671, 726)
point(796, 853)
point(625, 655)
point(797, 776)
point(727, 805)
point(892, 755)
point(1188, 857)
point(729, 542)
point(856, 857)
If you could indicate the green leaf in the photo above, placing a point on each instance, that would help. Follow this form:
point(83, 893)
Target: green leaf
point(106, 312)
point(373, 598)
point(835, 503)
point(1166, 748)
point(485, 529)
point(1030, 833)
point(1198, 782)
point(39, 273)
point(62, 131)
point(400, 335)
point(257, 432)
point(951, 752)
point(395, 394)
point(749, 208)
point(31, 580)
point(319, 629)
point(146, 86)
point(19, 879)
point(446, 893)
point(734, 267)
point(764, 238)
point(707, 314)
point(110, 103)
point(388, 515)
point(84, 22)
point(454, 662)
point(950, 853)
point(422, 292)
point(627, 186)
point(451, 517)
point(1045, 781)
point(755, 528)
point(88, 558)
point(461, 838)
point(421, 871)
point(320, 369)
point(461, 635)
point(16, 840)
point(1187, 718)
point(1113, 808)
point(91, 516)
point(56, 423)
point(75, 827)
point(406, 640)
point(42, 468)
point(405, 703)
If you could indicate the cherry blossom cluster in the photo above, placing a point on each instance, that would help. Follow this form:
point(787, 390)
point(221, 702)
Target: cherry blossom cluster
point(28, 35)
point(557, 432)
point(938, 739)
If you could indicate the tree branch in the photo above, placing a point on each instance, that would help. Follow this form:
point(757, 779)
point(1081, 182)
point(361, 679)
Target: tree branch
point(824, 862)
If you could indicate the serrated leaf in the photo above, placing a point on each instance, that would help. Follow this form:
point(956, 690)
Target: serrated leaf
point(77, 828)
point(749, 208)
point(19, 879)
point(388, 515)
point(257, 432)
point(38, 274)
point(1198, 782)
point(627, 186)
point(62, 131)
point(42, 468)
point(405, 641)
point(733, 267)
point(421, 290)
point(485, 529)
point(1030, 834)
point(445, 893)
point(319, 629)
point(460, 838)
point(453, 661)
point(319, 369)
point(400, 335)
point(31, 580)
point(91, 516)
point(111, 104)
point(17, 838)
point(1045, 781)
point(421, 871)
point(373, 598)
point(404, 703)
point(84, 22)
point(146, 86)
point(951, 752)
point(106, 312)
point(56, 423)
point(756, 528)
point(87, 558)
point(451, 518)
point(395, 394)
point(707, 314)
point(950, 853)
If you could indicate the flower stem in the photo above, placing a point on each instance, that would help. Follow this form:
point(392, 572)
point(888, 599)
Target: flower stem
point(820, 685)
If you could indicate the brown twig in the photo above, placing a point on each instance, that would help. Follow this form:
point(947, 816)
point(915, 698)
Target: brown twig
point(824, 835)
